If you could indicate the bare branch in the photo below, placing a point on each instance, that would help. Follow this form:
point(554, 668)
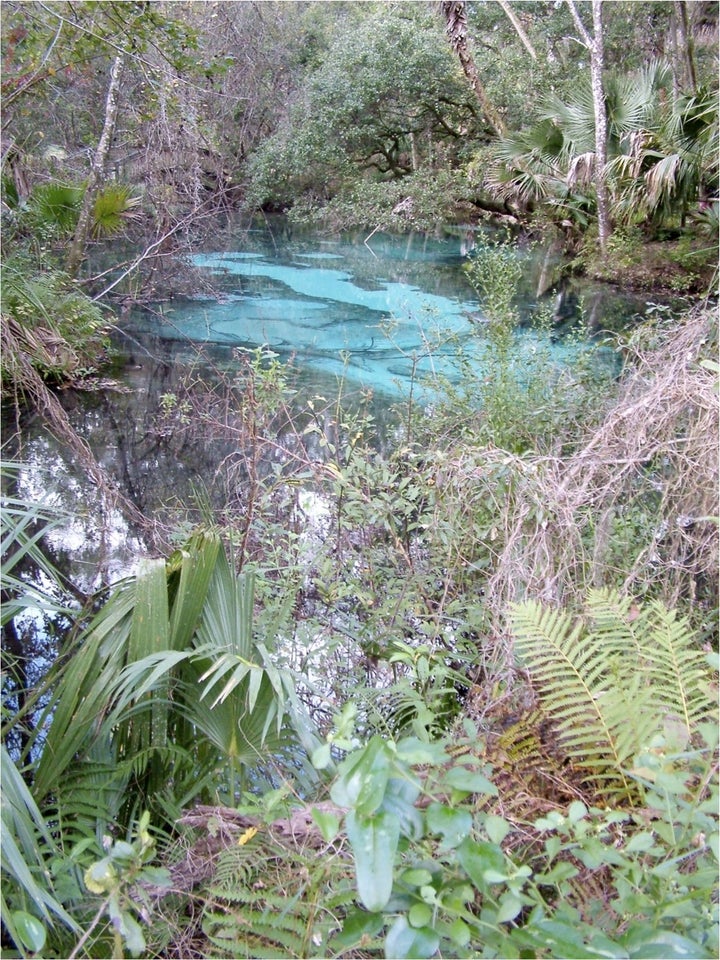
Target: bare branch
point(519, 29)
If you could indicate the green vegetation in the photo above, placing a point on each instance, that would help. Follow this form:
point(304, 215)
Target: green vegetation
point(472, 711)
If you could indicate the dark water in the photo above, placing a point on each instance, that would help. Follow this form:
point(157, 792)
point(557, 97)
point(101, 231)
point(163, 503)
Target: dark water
point(372, 316)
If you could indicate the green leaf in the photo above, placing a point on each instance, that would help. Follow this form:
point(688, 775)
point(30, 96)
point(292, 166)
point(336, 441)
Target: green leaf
point(714, 844)
point(157, 876)
point(374, 842)
point(400, 797)
point(358, 925)
point(497, 828)
point(459, 932)
point(559, 939)
point(417, 877)
point(470, 781)
point(404, 941)
point(645, 943)
point(30, 930)
point(363, 777)
point(561, 871)
point(322, 756)
point(122, 850)
point(328, 822)
point(477, 858)
point(420, 915)
point(452, 825)
point(413, 751)
point(132, 933)
point(640, 843)
point(100, 877)
point(510, 907)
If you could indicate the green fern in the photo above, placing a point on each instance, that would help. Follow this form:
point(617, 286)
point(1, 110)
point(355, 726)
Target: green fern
point(271, 901)
point(613, 685)
point(664, 648)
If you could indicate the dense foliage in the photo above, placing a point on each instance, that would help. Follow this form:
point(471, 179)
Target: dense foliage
point(471, 709)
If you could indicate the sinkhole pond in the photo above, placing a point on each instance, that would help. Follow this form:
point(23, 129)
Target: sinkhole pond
point(373, 317)
point(380, 313)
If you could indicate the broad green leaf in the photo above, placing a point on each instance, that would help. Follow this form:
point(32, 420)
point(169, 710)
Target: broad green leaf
point(328, 822)
point(460, 932)
point(497, 828)
point(357, 925)
point(452, 825)
point(363, 777)
point(420, 915)
point(643, 942)
point(400, 797)
point(322, 756)
point(470, 781)
point(561, 871)
point(30, 930)
point(510, 907)
point(157, 876)
point(132, 933)
point(559, 939)
point(374, 842)
point(100, 877)
point(714, 844)
point(640, 842)
point(413, 751)
point(122, 850)
point(477, 858)
point(404, 941)
point(416, 877)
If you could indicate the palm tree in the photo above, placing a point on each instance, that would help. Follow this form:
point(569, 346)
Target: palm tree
point(671, 163)
point(169, 689)
point(164, 695)
point(661, 154)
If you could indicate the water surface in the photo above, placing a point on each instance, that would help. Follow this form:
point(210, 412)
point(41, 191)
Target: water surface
point(378, 314)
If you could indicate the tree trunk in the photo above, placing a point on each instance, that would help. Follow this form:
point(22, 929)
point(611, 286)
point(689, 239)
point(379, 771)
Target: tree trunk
point(685, 45)
point(97, 170)
point(455, 15)
point(594, 45)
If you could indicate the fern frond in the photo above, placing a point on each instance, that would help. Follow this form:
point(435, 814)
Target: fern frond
point(272, 926)
point(573, 676)
point(611, 686)
point(663, 650)
point(245, 933)
point(233, 874)
point(268, 900)
point(677, 665)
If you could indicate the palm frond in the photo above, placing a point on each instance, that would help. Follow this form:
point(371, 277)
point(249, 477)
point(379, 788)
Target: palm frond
point(113, 208)
point(56, 206)
point(27, 846)
point(581, 170)
point(23, 526)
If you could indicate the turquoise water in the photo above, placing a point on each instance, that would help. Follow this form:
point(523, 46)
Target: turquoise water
point(378, 314)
